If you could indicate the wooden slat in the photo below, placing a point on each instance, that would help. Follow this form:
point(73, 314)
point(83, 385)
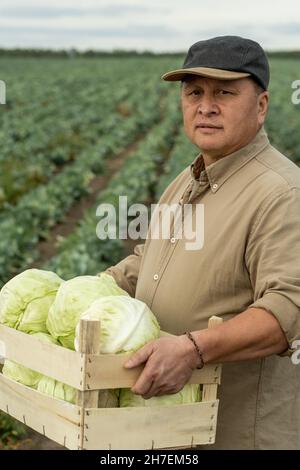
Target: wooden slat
point(210, 391)
point(56, 419)
point(54, 361)
point(89, 342)
point(107, 371)
point(150, 427)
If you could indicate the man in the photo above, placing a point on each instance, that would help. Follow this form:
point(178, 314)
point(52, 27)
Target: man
point(248, 270)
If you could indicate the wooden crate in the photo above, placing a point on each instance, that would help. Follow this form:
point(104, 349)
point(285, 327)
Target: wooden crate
point(93, 423)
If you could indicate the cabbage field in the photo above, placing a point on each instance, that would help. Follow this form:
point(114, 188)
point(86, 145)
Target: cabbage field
point(77, 132)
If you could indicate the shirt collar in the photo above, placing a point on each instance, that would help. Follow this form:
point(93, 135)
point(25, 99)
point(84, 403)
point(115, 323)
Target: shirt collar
point(217, 173)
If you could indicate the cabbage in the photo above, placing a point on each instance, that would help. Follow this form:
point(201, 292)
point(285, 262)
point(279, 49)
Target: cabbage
point(72, 299)
point(65, 392)
point(35, 315)
point(23, 374)
point(25, 300)
point(57, 389)
point(109, 398)
point(126, 323)
point(189, 394)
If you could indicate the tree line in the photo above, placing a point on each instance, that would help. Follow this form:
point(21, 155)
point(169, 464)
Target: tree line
point(119, 53)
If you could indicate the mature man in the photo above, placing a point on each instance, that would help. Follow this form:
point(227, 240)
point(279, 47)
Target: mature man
point(248, 270)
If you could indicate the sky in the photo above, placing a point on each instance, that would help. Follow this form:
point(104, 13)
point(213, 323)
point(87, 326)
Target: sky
point(155, 25)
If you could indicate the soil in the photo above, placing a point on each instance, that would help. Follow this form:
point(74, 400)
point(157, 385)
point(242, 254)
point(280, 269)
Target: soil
point(36, 441)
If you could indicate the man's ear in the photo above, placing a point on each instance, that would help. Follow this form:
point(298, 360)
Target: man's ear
point(263, 105)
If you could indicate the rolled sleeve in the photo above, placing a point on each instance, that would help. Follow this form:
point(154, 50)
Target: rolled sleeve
point(273, 261)
point(126, 271)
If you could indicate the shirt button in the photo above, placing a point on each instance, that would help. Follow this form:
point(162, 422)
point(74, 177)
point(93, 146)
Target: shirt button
point(173, 240)
point(155, 277)
point(215, 186)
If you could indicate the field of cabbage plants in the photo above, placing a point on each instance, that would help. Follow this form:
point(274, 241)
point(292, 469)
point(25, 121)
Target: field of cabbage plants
point(77, 132)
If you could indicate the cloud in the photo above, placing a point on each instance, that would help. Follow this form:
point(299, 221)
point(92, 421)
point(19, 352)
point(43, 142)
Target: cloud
point(56, 11)
point(133, 31)
point(287, 28)
point(135, 24)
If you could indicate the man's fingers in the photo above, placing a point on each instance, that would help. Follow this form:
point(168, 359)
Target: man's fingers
point(139, 357)
point(153, 391)
point(143, 384)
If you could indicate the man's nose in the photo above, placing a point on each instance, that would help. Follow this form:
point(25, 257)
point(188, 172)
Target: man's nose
point(207, 105)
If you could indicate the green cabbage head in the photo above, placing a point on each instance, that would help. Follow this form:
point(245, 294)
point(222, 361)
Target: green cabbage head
point(126, 323)
point(25, 300)
point(65, 392)
point(73, 298)
point(57, 389)
point(189, 394)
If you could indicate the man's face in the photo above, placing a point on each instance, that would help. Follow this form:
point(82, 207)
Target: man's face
point(221, 116)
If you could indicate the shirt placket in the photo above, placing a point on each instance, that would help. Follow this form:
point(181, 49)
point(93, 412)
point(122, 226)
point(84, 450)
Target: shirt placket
point(193, 191)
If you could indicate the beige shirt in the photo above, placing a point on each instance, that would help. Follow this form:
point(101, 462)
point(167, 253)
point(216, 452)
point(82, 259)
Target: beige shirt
point(250, 257)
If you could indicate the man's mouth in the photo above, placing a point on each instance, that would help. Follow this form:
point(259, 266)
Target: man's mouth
point(207, 126)
point(207, 129)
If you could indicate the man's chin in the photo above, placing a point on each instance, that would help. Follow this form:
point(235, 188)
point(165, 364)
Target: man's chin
point(209, 141)
point(211, 149)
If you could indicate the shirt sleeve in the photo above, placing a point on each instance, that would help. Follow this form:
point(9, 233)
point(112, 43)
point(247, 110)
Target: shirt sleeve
point(273, 261)
point(126, 271)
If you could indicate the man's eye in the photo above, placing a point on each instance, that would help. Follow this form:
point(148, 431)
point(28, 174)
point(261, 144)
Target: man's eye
point(224, 92)
point(194, 93)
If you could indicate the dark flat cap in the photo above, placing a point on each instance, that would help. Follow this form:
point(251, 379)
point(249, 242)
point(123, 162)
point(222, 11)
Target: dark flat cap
point(225, 58)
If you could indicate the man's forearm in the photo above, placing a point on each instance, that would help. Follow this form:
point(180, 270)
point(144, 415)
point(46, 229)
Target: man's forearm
point(252, 334)
point(169, 361)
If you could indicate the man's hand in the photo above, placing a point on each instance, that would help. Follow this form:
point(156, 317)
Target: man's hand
point(169, 365)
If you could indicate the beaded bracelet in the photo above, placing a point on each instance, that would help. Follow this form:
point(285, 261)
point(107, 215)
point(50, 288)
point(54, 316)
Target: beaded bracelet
point(189, 335)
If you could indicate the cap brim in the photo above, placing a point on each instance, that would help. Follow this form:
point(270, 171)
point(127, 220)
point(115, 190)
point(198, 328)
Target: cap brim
point(176, 75)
